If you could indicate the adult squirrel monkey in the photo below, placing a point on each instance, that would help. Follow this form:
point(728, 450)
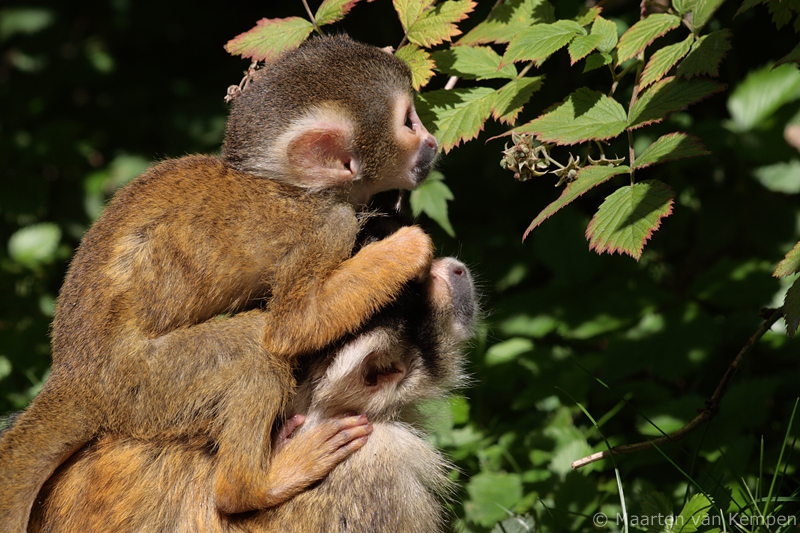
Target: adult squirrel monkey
point(266, 232)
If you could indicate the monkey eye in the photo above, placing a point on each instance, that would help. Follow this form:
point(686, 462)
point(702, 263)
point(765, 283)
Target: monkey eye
point(409, 121)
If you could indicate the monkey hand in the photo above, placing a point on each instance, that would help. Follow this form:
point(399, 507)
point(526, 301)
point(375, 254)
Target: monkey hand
point(417, 249)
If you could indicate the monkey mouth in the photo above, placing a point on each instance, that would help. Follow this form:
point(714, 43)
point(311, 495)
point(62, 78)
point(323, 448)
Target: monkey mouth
point(379, 374)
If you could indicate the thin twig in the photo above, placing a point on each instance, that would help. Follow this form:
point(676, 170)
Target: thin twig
point(311, 17)
point(706, 414)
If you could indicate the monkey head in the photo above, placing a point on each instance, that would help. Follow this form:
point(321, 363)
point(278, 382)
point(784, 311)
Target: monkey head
point(333, 115)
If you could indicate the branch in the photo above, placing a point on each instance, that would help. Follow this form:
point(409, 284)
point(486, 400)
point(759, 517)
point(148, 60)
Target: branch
point(706, 414)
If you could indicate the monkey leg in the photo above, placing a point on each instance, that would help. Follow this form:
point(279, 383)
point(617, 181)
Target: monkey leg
point(346, 298)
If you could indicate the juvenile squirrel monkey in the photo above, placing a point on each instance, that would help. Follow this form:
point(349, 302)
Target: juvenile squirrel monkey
point(266, 233)
point(412, 350)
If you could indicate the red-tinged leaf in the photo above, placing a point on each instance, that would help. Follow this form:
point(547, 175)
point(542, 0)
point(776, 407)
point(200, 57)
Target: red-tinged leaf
point(582, 45)
point(585, 115)
point(269, 38)
point(706, 55)
point(628, 217)
point(410, 11)
point(643, 33)
point(791, 308)
point(508, 19)
point(663, 60)
point(331, 11)
point(668, 95)
point(588, 177)
point(790, 264)
point(607, 30)
point(702, 13)
point(510, 99)
point(539, 41)
point(669, 148)
point(456, 115)
point(434, 26)
point(473, 63)
point(791, 57)
point(420, 62)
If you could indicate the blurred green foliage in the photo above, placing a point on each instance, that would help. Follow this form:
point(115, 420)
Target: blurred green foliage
point(93, 92)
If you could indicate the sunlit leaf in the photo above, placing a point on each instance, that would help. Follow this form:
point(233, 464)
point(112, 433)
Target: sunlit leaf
point(583, 45)
point(25, 20)
point(790, 264)
point(643, 33)
point(597, 60)
point(472, 62)
point(706, 55)
point(588, 177)
point(456, 115)
point(35, 244)
point(427, 26)
point(667, 96)
point(539, 41)
point(410, 11)
point(420, 62)
point(490, 493)
point(331, 11)
point(516, 524)
point(628, 217)
point(508, 350)
point(669, 148)
point(693, 515)
point(269, 38)
point(663, 60)
point(780, 177)
point(431, 198)
point(702, 13)
point(584, 115)
point(762, 93)
point(587, 15)
point(508, 19)
point(512, 96)
point(791, 308)
point(683, 6)
point(607, 30)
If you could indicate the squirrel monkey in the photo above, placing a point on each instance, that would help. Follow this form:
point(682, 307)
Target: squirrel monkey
point(410, 351)
point(266, 232)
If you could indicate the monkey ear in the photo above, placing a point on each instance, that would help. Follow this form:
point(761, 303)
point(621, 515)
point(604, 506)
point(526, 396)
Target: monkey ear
point(323, 156)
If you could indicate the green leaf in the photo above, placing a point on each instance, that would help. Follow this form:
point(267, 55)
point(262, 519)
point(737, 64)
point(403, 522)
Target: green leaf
point(748, 4)
point(628, 217)
point(34, 245)
point(655, 507)
point(668, 95)
point(587, 178)
point(431, 198)
point(331, 11)
point(584, 115)
point(706, 55)
point(516, 524)
point(780, 177)
point(669, 148)
point(683, 6)
point(24, 20)
point(583, 45)
point(693, 514)
point(512, 96)
point(509, 350)
point(606, 29)
point(597, 60)
point(761, 94)
point(663, 60)
point(791, 308)
point(490, 493)
point(507, 20)
point(269, 38)
point(587, 15)
point(790, 264)
point(791, 57)
point(472, 63)
point(428, 27)
point(420, 62)
point(456, 115)
point(702, 13)
point(643, 33)
point(539, 41)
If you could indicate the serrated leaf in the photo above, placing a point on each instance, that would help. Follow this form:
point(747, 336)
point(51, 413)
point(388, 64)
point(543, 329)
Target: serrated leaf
point(748, 4)
point(693, 514)
point(668, 95)
point(761, 94)
point(791, 57)
point(507, 20)
point(431, 198)
point(512, 96)
point(780, 177)
point(587, 15)
point(683, 6)
point(643, 33)
point(490, 494)
point(331, 11)
point(420, 62)
point(663, 60)
point(791, 308)
point(585, 115)
point(597, 60)
point(456, 115)
point(706, 55)
point(655, 507)
point(583, 45)
point(790, 264)
point(628, 217)
point(588, 177)
point(429, 27)
point(540, 41)
point(702, 13)
point(35, 244)
point(269, 38)
point(607, 30)
point(669, 148)
point(473, 63)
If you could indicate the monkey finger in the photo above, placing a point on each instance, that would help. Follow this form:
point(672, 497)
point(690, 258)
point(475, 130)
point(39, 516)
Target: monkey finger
point(285, 433)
